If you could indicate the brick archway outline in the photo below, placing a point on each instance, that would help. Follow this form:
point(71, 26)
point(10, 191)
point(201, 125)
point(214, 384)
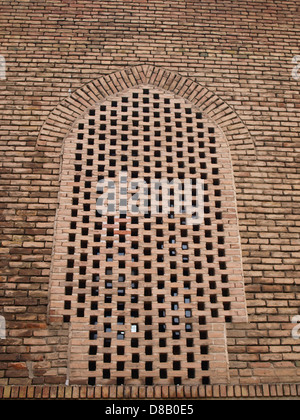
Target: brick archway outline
point(62, 118)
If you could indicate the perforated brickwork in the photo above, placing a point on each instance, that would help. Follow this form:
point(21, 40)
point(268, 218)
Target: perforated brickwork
point(148, 292)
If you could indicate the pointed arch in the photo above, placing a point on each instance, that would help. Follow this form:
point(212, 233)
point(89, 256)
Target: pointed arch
point(62, 118)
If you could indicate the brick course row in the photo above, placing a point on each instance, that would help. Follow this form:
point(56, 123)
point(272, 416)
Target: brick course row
point(48, 392)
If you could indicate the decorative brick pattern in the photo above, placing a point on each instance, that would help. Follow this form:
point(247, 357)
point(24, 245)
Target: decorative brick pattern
point(57, 125)
point(232, 60)
point(147, 295)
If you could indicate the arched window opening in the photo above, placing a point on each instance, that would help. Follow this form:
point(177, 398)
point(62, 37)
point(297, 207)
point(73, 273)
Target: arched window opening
point(147, 259)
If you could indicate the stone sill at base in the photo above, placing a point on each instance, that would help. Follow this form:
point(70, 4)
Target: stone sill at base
point(81, 392)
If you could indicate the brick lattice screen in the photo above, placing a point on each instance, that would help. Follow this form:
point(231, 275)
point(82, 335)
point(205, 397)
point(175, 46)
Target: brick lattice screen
point(147, 295)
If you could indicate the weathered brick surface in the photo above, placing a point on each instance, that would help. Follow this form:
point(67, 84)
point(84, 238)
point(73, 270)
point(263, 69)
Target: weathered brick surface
point(232, 59)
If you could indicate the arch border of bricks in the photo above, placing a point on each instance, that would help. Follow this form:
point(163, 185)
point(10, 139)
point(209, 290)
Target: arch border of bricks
point(63, 117)
point(60, 392)
point(50, 143)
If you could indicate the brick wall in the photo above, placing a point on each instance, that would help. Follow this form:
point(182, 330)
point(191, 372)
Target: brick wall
point(235, 61)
